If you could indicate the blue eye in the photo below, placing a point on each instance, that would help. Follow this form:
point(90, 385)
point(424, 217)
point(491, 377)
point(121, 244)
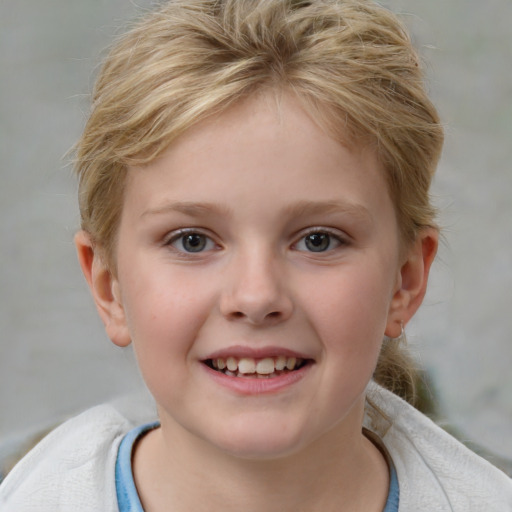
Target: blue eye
point(192, 242)
point(318, 241)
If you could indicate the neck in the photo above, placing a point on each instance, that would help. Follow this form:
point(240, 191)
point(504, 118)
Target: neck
point(335, 473)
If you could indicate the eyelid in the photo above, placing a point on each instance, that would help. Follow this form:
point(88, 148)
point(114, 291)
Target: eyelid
point(339, 235)
point(176, 234)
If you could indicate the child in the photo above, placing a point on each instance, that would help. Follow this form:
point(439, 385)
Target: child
point(254, 192)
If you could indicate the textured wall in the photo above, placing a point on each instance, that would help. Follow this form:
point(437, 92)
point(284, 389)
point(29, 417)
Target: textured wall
point(54, 356)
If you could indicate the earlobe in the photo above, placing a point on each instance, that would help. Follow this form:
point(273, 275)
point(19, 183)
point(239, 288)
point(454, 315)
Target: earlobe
point(104, 289)
point(412, 281)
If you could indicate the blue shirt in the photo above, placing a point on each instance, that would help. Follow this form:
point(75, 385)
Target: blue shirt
point(128, 497)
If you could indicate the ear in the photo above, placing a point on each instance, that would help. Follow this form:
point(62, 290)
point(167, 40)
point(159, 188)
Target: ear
point(412, 281)
point(104, 288)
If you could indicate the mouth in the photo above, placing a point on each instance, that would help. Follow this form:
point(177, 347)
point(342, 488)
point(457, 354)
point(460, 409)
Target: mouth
point(262, 368)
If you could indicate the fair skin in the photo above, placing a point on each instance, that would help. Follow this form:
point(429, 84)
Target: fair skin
point(257, 237)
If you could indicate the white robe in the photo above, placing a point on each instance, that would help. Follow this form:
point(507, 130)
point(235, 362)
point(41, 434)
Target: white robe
point(72, 469)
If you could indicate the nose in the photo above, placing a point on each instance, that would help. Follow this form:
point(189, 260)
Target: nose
point(255, 290)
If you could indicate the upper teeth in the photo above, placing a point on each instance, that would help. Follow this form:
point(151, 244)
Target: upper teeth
point(247, 365)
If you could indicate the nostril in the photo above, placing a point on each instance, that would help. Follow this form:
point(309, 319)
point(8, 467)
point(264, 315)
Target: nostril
point(240, 315)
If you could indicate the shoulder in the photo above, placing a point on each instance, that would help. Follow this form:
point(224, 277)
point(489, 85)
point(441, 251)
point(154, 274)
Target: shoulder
point(435, 471)
point(73, 467)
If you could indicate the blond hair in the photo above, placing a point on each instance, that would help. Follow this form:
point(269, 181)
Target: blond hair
point(350, 62)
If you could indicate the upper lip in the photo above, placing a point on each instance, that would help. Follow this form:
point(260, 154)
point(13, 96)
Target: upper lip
point(240, 351)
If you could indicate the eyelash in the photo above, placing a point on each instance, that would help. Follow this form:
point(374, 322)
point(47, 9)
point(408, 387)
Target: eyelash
point(333, 236)
point(206, 243)
point(181, 234)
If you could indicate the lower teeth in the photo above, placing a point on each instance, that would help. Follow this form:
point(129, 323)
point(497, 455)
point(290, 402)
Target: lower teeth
point(251, 375)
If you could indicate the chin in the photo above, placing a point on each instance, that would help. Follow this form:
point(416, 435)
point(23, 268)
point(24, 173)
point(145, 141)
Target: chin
point(260, 441)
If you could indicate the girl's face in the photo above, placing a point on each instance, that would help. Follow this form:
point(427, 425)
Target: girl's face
point(254, 243)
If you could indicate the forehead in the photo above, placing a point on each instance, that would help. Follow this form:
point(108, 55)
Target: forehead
point(265, 145)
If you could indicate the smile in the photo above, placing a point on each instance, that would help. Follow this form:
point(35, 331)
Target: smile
point(248, 367)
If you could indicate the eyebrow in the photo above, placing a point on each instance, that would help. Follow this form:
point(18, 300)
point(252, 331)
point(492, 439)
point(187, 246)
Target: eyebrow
point(306, 208)
point(299, 209)
point(190, 208)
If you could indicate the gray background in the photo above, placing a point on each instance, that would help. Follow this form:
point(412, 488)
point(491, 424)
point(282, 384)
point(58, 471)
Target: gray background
point(54, 356)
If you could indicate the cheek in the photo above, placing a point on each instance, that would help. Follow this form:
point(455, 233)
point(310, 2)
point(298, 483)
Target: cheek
point(165, 311)
point(349, 310)
point(165, 317)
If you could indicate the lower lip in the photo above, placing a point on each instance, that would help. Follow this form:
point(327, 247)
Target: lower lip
point(255, 385)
